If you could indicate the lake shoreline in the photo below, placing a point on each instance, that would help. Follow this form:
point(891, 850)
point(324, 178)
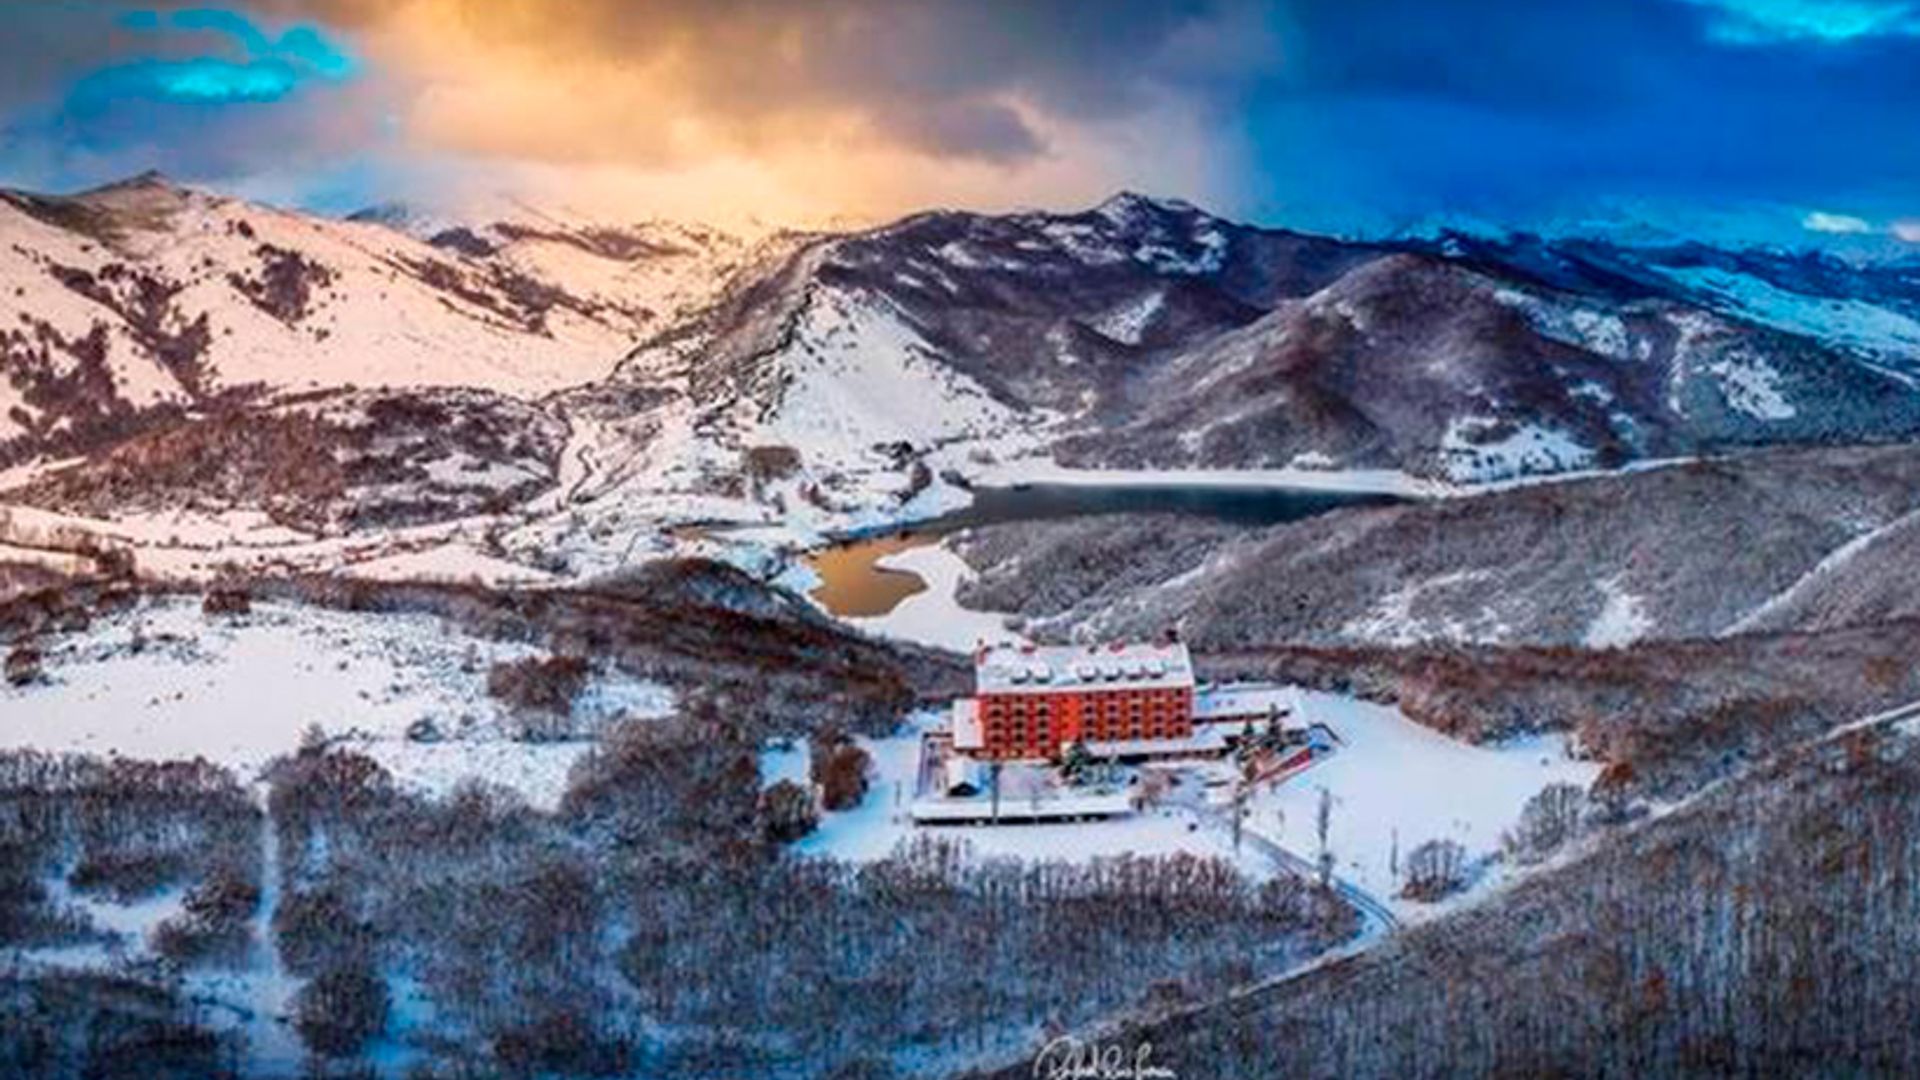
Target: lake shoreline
point(852, 583)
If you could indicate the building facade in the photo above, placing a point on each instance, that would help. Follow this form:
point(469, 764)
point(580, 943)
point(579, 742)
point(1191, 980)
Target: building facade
point(1033, 702)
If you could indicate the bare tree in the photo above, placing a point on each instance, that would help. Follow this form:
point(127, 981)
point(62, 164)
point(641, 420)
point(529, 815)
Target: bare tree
point(339, 1010)
point(1550, 819)
point(1435, 869)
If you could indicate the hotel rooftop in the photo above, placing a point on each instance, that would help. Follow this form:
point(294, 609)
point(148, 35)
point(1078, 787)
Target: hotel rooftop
point(1037, 669)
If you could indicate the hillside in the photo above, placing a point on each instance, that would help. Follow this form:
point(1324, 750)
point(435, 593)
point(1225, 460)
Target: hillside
point(534, 396)
point(1754, 929)
point(145, 300)
point(1600, 561)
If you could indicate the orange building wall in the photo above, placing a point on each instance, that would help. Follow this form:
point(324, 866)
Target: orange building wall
point(1018, 724)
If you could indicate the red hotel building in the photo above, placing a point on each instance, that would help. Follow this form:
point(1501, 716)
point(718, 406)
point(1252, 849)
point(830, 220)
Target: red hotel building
point(1033, 702)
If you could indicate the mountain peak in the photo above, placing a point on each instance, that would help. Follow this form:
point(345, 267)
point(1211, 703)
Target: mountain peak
point(1130, 206)
point(148, 181)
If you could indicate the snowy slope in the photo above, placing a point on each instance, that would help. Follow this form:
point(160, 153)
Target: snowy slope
point(1852, 322)
point(146, 294)
point(241, 692)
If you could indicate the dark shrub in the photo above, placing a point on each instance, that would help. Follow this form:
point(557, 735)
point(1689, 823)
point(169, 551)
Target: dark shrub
point(561, 1043)
point(214, 923)
point(787, 812)
point(126, 875)
point(227, 600)
point(339, 1010)
point(771, 462)
point(842, 775)
point(317, 928)
point(1435, 870)
point(543, 685)
point(24, 665)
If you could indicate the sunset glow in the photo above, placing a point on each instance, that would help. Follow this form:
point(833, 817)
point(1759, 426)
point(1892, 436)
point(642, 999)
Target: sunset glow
point(1760, 112)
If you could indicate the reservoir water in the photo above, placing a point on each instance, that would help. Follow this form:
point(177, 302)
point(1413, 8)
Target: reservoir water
point(852, 584)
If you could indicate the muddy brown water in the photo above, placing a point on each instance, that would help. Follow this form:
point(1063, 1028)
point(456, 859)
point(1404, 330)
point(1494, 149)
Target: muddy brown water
point(853, 586)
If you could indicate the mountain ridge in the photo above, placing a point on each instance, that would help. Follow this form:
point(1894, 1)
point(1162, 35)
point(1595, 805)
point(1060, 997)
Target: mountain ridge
point(890, 366)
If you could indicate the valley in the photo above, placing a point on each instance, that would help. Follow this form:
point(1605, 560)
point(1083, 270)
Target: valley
point(536, 627)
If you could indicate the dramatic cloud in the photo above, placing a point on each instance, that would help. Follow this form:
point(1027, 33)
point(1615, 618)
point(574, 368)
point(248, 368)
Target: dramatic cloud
point(652, 80)
point(98, 90)
point(1344, 114)
point(264, 69)
point(873, 105)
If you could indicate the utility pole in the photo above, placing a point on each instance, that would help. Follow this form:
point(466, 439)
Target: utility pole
point(1239, 813)
point(1323, 820)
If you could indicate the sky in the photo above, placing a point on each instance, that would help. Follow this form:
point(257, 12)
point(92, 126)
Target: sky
point(1785, 121)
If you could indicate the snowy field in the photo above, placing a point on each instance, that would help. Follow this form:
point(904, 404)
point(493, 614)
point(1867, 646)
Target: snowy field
point(871, 830)
point(1396, 784)
point(165, 681)
point(251, 999)
point(1392, 783)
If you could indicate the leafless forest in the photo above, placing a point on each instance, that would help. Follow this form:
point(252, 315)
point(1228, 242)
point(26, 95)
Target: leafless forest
point(1765, 929)
point(651, 927)
point(654, 924)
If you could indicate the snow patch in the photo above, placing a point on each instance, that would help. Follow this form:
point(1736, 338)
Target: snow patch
point(935, 617)
point(1753, 387)
point(1853, 323)
point(1471, 451)
point(1128, 322)
point(1623, 617)
point(1395, 784)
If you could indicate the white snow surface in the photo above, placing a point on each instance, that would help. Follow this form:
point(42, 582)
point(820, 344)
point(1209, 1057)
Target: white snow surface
point(1393, 784)
point(1623, 617)
point(874, 828)
point(1397, 784)
point(1752, 386)
point(1470, 457)
point(861, 375)
point(1600, 332)
point(1854, 323)
point(1129, 321)
point(240, 691)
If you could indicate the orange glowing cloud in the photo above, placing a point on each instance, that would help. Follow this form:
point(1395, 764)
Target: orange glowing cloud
point(796, 110)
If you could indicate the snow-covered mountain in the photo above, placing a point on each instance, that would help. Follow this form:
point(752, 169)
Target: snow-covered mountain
point(675, 372)
point(145, 301)
point(1149, 334)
